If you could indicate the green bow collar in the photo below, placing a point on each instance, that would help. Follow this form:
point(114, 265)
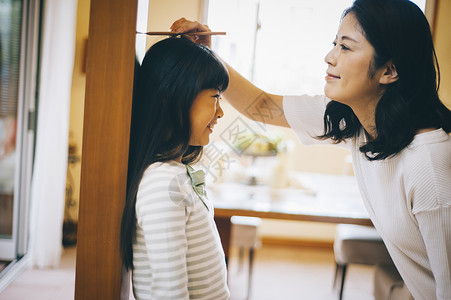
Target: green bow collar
point(198, 183)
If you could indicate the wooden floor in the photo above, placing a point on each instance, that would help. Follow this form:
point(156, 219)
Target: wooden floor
point(48, 284)
point(280, 272)
point(291, 273)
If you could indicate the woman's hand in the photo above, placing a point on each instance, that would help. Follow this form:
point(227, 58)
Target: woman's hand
point(185, 26)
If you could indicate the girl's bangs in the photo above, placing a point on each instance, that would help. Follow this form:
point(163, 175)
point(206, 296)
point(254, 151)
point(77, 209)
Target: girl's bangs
point(215, 76)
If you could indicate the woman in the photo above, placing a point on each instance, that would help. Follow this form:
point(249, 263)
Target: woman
point(169, 238)
point(381, 103)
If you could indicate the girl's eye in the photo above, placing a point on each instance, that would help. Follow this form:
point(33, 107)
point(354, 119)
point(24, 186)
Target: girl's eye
point(217, 97)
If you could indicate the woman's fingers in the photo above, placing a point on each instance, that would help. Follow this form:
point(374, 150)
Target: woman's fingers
point(183, 25)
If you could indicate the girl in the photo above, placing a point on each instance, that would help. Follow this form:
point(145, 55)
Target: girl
point(381, 102)
point(169, 238)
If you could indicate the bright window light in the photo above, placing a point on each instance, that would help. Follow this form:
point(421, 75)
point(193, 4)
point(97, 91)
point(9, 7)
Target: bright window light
point(279, 45)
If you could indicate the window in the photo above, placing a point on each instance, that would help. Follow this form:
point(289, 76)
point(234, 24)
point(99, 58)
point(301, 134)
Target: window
point(279, 45)
point(18, 63)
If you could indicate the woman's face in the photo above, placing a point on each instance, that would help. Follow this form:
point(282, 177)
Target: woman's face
point(204, 114)
point(348, 80)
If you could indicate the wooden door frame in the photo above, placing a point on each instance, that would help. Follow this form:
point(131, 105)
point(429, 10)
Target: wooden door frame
point(108, 99)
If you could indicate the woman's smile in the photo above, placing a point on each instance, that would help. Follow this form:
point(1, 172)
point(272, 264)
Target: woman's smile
point(330, 76)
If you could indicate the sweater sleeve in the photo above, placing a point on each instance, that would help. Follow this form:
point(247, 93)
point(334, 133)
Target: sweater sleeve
point(305, 115)
point(435, 227)
point(429, 190)
point(162, 214)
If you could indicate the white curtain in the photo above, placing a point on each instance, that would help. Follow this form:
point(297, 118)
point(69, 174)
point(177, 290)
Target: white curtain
point(50, 166)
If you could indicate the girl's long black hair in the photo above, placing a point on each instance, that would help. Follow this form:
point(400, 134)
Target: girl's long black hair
point(170, 77)
point(398, 31)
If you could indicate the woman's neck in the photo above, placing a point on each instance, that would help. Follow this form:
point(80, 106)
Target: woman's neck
point(424, 130)
point(367, 117)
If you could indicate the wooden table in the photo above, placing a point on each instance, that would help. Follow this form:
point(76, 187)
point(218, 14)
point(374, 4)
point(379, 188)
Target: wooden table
point(317, 198)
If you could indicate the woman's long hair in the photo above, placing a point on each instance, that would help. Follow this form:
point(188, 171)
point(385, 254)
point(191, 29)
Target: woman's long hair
point(398, 31)
point(170, 77)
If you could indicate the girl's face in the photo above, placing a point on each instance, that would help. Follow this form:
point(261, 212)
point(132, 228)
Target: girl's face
point(348, 80)
point(204, 113)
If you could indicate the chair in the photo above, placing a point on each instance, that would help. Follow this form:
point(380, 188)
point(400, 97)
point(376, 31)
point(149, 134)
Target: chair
point(245, 235)
point(356, 244)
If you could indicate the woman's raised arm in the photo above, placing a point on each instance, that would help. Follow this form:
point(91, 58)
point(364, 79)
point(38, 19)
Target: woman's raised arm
point(241, 93)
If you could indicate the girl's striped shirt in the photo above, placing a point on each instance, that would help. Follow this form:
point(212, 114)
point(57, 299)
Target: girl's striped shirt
point(177, 253)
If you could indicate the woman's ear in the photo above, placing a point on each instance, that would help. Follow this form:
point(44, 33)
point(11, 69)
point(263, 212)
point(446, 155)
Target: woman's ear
point(390, 74)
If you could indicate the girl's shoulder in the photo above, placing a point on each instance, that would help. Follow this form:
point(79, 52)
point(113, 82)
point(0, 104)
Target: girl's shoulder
point(162, 180)
point(163, 174)
point(163, 169)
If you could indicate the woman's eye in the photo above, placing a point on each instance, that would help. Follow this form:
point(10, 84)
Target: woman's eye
point(343, 47)
point(217, 97)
